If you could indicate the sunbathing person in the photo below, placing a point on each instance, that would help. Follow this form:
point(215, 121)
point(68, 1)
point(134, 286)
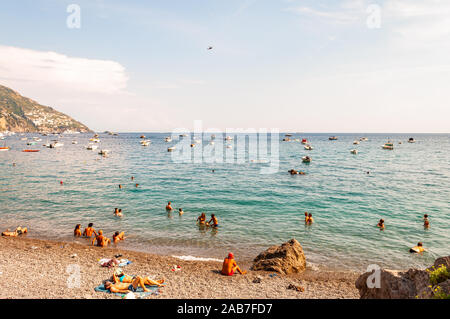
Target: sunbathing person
point(118, 237)
point(230, 266)
point(101, 240)
point(77, 230)
point(120, 276)
point(88, 231)
point(123, 287)
point(18, 231)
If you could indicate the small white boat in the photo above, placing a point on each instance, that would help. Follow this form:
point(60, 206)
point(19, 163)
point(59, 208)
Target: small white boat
point(95, 140)
point(192, 145)
point(332, 138)
point(91, 147)
point(306, 159)
point(145, 143)
point(74, 142)
point(228, 138)
point(411, 140)
point(354, 152)
point(388, 146)
point(168, 139)
point(3, 149)
point(183, 135)
point(363, 139)
point(355, 142)
point(56, 144)
point(103, 152)
point(171, 149)
point(308, 147)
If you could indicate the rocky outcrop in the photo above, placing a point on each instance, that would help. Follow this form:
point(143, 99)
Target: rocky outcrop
point(286, 259)
point(21, 114)
point(391, 284)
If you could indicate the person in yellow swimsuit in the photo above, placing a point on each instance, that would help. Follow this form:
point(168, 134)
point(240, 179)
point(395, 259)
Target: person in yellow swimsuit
point(230, 266)
point(18, 231)
point(89, 231)
point(417, 249)
point(118, 237)
point(310, 219)
point(77, 230)
point(101, 240)
point(120, 276)
point(201, 219)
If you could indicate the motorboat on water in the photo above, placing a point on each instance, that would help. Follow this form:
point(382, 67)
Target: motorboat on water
point(355, 142)
point(308, 147)
point(95, 140)
point(411, 140)
point(171, 149)
point(74, 142)
point(192, 145)
point(363, 139)
point(306, 159)
point(286, 139)
point(183, 135)
point(103, 152)
point(91, 147)
point(142, 136)
point(388, 146)
point(354, 152)
point(56, 144)
point(30, 151)
point(332, 138)
point(304, 141)
point(168, 139)
point(145, 143)
point(3, 149)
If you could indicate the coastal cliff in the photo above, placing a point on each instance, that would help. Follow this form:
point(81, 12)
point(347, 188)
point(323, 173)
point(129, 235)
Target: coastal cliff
point(21, 114)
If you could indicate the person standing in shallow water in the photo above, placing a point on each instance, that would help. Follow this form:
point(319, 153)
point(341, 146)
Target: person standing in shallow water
point(169, 206)
point(77, 230)
point(180, 212)
point(88, 231)
point(380, 224)
point(214, 221)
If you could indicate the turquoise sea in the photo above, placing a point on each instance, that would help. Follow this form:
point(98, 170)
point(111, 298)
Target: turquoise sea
point(254, 210)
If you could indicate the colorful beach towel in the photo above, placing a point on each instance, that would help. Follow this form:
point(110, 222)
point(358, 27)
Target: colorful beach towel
point(139, 293)
point(107, 262)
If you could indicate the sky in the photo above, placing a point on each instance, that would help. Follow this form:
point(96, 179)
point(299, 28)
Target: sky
point(293, 65)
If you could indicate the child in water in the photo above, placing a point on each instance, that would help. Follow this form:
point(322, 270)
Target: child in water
point(426, 222)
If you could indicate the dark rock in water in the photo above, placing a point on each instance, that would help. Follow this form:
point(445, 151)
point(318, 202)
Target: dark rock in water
point(286, 259)
point(390, 284)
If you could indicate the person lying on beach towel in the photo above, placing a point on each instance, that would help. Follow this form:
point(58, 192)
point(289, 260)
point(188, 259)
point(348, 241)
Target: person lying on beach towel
point(101, 240)
point(124, 287)
point(18, 231)
point(230, 266)
point(118, 237)
point(119, 276)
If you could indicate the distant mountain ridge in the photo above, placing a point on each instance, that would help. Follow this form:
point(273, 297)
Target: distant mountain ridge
point(21, 114)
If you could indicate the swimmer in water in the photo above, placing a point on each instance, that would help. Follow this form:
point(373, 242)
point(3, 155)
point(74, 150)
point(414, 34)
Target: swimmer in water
point(88, 231)
point(310, 219)
point(417, 249)
point(101, 240)
point(118, 212)
point(201, 220)
point(77, 230)
point(137, 185)
point(120, 186)
point(180, 212)
point(169, 206)
point(214, 221)
point(132, 178)
point(380, 224)
point(118, 237)
point(306, 217)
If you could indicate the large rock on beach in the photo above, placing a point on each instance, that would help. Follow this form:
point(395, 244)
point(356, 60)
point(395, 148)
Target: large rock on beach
point(390, 284)
point(286, 259)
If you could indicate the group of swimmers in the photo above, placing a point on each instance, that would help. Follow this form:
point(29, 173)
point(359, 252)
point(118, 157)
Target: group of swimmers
point(98, 239)
point(308, 218)
point(419, 248)
point(201, 220)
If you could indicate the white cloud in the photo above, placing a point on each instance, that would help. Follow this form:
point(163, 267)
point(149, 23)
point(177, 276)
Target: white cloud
point(61, 71)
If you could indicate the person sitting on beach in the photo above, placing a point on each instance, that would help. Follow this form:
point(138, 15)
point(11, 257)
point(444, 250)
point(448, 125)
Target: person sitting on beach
point(77, 230)
point(18, 231)
point(122, 287)
point(214, 221)
point(101, 240)
point(417, 249)
point(88, 231)
point(118, 237)
point(310, 219)
point(120, 276)
point(169, 206)
point(230, 266)
point(381, 224)
point(180, 212)
point(201, 219)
